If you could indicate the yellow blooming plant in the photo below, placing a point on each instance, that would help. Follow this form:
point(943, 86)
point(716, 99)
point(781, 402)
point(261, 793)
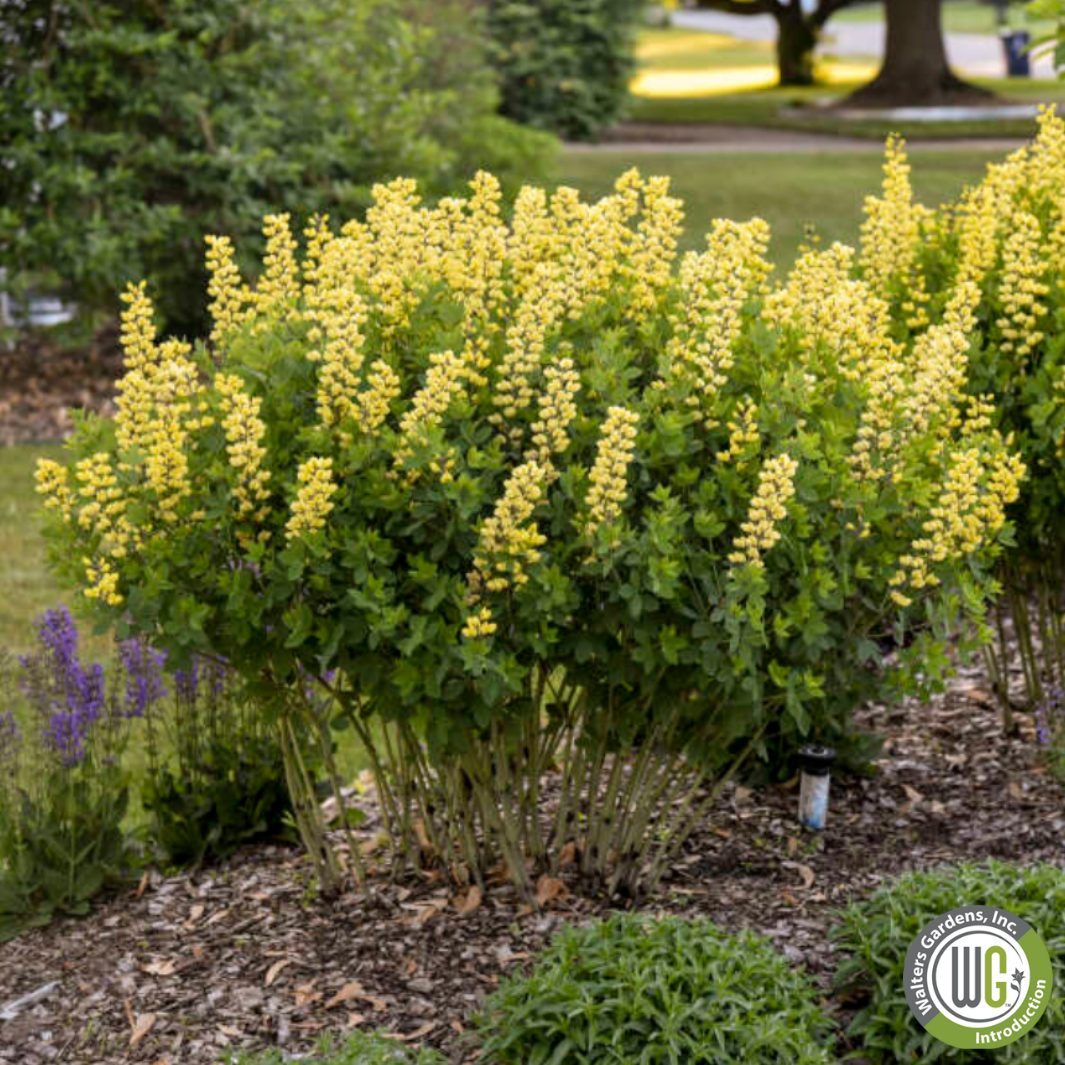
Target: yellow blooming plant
point(1003, 243)
point(527, 493)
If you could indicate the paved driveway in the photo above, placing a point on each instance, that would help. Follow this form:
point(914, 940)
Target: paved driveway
point(975, 54)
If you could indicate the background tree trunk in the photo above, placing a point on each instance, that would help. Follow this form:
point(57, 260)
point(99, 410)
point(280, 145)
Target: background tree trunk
point(915, 72)
point(796, 41)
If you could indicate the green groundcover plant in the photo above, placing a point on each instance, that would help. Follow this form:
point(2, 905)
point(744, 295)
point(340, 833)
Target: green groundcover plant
point(518, 494)
point(359, 1048)
point(642, 991)
point(130, 129)
point(876, 933)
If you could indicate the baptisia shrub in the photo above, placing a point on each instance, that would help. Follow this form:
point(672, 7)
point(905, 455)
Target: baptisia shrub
point(1006, 238)
point(539, 499)
point(632, 989)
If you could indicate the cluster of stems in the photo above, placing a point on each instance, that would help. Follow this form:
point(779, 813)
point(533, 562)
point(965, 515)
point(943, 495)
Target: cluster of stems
point(1029, 620)
point(557, 782)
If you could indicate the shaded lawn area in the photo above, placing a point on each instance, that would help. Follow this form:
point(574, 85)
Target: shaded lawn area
point(789, 191)
point(775, 109)
point(687, 76)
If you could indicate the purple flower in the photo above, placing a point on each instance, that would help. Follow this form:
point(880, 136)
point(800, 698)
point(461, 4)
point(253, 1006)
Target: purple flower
point(201, 670)
point(66, 695)
point(143, 669)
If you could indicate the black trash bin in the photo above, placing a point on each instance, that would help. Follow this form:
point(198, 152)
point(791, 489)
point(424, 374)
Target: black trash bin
point(1018, 64)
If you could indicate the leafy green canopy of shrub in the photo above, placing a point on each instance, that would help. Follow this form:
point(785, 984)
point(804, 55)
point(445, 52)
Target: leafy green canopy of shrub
point(131, 129)
point(565, 65)
point(876, 934)
point(633, 989)
point(538, 498)
point(1005, 235)
point(359, 1048)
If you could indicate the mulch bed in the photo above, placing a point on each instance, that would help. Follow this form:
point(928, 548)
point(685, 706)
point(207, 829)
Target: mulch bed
point(41, 381)
point(187, 968)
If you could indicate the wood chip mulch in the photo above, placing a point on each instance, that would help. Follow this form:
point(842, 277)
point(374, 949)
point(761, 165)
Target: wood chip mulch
point(192, 967)
point(41, 381)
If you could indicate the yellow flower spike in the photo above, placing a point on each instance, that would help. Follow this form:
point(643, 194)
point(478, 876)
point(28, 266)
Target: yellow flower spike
point(279, 285)
point(556, 411)
point(228, 307)
point(715, 286)
point(138, 333)
point(768, 508)
point(314, 498)
point(509, 540)
point(479, 625)
point(443, 384)
point(892, 229)
point(373, 404)
point(609, 474)
point(244, 431)
point(1023, 285)
point(53, 483)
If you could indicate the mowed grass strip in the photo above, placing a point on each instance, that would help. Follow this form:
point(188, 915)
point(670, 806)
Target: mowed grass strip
point(791, 192)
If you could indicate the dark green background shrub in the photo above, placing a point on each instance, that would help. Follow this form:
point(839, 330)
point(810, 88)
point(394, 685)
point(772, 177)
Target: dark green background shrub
point(132, 129)
point(636, 990)
point(877, 933)
point(565, 64)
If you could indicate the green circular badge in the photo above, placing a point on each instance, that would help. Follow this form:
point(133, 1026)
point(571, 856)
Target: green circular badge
point(978, 977)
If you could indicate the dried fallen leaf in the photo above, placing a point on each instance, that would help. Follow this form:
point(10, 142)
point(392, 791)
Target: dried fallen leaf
point(742, 794)
point(1015, 790)
point(145, 1023)
point(550, 888)
point(346, 994)
point(430, 910)
point(233, 1033)
point(912, 793)
point(466, 904)
point(425, 1029)
point(568, 855)
point(355, 1019)
point(160, 968)
point(142, 885)
point(807, 874)
point(424, 841)
point(195, 914)
point(275, 970)
point(306, 994)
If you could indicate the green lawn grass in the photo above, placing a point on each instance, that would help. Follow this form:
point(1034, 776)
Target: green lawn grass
point(790, 191)
point(776, 109)
point(26, 586)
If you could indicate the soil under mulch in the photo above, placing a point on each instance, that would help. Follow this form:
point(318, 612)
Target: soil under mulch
point(243, 956)
point(42, 380)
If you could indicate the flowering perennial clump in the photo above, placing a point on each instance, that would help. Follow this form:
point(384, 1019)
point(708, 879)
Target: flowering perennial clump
point(535, 490)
